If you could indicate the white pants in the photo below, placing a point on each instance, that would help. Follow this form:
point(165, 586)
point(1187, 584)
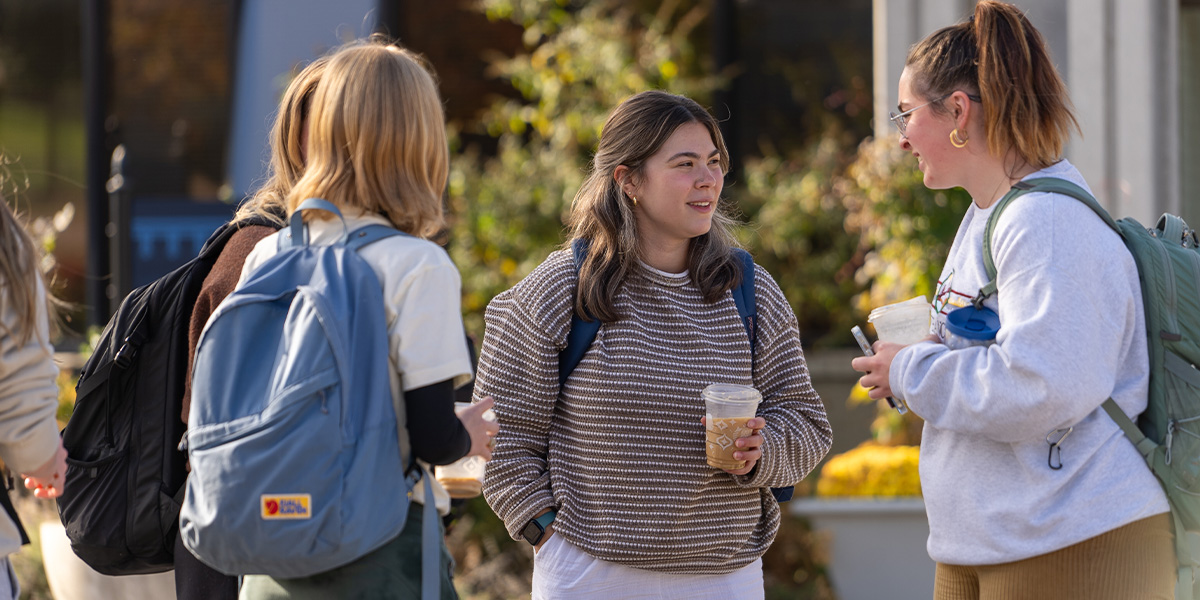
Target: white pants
point(562, 571)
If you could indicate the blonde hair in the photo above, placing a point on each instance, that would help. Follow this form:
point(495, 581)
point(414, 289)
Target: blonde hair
point(377, 138)
point(1001, 56)
point(20, 277)
point(602, 215)
point(287, 148)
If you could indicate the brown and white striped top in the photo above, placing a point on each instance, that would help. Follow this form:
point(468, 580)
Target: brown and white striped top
point(620, 452)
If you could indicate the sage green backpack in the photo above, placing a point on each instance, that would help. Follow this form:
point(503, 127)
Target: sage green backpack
point(1167, 434)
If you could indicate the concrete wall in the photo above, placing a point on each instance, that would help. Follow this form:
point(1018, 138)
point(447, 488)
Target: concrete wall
point(274, 37)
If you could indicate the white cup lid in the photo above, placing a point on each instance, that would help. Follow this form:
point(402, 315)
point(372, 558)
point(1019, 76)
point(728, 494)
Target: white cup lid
point(917, 301)
point(731, 392)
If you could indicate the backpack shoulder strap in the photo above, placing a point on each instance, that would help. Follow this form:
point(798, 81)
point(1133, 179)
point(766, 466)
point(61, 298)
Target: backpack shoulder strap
point(370, 234)
point(582, 332)
point(1051, 185)
point(1145, 445)
point(216, 241)
point(743, 297)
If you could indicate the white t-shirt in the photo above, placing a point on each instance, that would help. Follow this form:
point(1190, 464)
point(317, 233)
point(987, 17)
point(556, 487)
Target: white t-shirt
point(422, 295)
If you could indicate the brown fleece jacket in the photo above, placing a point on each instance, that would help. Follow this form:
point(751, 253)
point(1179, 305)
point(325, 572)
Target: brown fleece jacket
point(219, 283)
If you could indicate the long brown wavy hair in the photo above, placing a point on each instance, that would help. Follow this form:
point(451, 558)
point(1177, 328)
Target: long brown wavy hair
point(1001, 56)
point(603, 215)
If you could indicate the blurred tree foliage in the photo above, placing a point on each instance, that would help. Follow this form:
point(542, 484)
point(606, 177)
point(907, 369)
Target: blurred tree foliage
point(906, 228)
point(583, 59)
point(797, 231)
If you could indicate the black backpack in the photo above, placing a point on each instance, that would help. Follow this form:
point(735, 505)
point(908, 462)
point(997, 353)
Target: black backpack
point(125, 473)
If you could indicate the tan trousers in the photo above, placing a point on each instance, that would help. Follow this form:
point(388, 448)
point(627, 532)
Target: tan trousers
point(1133, 562)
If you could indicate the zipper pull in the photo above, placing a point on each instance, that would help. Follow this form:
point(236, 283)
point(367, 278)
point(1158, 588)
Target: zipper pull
point(1167, 440)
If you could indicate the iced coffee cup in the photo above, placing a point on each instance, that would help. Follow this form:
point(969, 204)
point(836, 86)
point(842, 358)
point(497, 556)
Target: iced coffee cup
point(902, 323)
point(727, 408)
point(463, 478)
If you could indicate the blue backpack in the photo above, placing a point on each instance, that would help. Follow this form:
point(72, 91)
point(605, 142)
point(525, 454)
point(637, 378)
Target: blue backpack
point(583, 333)
point(298, 465)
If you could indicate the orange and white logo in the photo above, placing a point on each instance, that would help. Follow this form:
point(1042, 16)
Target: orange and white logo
point(286, 506)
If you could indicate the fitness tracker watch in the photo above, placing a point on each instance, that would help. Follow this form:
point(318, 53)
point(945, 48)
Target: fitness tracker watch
point(536, 528)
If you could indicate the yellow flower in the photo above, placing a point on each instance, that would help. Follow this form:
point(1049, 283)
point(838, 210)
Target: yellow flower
point(872, 470)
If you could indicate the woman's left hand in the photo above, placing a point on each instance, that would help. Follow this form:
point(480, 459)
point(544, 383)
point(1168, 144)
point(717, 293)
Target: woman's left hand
point(750, 447)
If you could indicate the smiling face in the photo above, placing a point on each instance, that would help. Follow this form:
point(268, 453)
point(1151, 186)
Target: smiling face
point(677, 191)
point(927, 137)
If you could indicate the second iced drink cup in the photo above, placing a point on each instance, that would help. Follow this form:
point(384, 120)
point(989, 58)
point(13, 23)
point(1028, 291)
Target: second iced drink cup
point(727, 409)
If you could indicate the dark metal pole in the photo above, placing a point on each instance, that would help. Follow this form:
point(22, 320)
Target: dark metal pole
point(389, 19)
point(95, 86)
point(725, 55)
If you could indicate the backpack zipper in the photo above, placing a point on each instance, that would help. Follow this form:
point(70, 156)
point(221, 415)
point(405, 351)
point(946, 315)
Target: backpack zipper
point(1167, 440)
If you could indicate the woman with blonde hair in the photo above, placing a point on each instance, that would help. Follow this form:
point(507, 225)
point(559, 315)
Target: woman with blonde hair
point(376, 148)
point(1032, 490)
point(29, 440)
point(258, 217)
point(606, 475)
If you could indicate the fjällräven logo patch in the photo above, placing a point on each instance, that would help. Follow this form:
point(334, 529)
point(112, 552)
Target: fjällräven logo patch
point(286, 506)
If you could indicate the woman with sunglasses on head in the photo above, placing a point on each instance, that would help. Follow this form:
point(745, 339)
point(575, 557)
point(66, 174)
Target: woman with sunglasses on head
point(983, 108)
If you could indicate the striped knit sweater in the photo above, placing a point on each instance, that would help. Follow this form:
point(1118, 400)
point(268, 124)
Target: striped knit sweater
point(620, 451)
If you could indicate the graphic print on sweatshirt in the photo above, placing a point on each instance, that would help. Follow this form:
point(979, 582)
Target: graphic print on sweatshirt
point(947, 299)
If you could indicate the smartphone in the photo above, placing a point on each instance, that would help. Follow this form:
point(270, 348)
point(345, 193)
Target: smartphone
point(859, 337)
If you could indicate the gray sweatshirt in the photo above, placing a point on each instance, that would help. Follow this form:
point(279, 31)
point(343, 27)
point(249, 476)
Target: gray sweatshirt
point(1072, 334)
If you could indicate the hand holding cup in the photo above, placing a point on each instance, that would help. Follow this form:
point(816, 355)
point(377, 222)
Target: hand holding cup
point(731, 430)
point(464, 477)
point(749, 448)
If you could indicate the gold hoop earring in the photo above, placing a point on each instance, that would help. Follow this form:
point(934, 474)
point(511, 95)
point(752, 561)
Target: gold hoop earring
point(634, 198)
point(956, 141)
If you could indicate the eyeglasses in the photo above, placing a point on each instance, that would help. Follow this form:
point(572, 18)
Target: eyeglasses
point(900, 120)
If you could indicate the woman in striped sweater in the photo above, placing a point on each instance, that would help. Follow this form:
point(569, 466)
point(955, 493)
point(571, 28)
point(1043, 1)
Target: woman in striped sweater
point(615, 458)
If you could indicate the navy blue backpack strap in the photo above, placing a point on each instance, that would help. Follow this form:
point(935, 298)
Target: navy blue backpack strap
point(743, 297)
point(582, 332)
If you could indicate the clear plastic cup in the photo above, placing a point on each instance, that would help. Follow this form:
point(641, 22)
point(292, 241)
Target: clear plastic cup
point(463, 478)
point(727, 408)
point(903, 322)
